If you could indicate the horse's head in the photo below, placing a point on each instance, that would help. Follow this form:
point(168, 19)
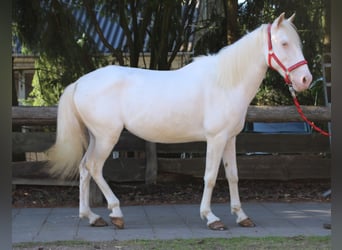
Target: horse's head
point(285, 53)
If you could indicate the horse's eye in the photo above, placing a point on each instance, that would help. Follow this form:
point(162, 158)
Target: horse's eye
point(284, 44)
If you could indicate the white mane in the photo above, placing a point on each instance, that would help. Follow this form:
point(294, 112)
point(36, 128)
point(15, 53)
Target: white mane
point(231, 61)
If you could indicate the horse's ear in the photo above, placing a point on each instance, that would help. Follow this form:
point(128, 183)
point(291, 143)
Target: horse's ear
point(291, 18)
point(279, 19)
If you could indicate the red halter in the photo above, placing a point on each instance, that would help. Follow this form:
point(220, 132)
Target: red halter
point(271, 55)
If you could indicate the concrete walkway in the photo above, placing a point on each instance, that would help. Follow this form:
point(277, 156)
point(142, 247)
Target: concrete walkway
point(170, 222)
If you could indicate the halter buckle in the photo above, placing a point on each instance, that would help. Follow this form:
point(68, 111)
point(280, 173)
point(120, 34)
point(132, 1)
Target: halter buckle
point(292, 91)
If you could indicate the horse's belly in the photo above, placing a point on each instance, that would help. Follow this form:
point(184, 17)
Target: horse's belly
point(163, 135)
point(166, 131)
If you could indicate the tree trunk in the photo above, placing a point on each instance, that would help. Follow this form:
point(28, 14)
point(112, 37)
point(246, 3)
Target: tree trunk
point(231, 16)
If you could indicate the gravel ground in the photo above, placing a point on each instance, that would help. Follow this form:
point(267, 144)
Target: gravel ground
point(183, 192)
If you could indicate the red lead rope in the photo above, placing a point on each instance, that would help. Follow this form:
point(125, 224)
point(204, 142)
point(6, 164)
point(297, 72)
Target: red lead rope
point(300, 112)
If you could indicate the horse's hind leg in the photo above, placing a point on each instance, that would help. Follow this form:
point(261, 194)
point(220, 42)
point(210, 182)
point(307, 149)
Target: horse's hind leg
point(229, 162)
point(94, 164)
point(85, 211)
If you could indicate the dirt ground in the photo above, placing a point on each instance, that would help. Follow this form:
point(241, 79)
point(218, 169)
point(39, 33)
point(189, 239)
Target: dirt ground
point(189, 191)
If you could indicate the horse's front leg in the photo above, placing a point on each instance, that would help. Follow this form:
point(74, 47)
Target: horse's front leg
point(215, 148)
point(230, 166)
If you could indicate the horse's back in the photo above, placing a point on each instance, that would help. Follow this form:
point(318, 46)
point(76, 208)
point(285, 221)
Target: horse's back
point(112, 75)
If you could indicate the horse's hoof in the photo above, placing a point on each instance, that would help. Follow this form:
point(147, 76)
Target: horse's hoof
point(247, 223)
point(99, 222)
point(217, 225)
point(118, 222)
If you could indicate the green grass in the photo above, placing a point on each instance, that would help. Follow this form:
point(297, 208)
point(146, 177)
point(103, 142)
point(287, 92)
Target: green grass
point(298, 242)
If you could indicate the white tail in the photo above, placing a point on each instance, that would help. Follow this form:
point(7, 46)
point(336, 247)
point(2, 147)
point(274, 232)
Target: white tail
point(65, 155)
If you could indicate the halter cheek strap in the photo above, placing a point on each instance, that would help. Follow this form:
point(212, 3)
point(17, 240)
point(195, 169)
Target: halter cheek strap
point(272, 55)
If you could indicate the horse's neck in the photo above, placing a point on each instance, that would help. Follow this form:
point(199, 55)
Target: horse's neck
point(243, 64)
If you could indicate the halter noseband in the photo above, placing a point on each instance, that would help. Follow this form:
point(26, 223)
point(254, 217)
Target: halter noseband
point(271, 55)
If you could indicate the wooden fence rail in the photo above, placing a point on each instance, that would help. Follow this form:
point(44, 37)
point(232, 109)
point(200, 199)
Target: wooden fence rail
point(47, 115)
point(260, 156)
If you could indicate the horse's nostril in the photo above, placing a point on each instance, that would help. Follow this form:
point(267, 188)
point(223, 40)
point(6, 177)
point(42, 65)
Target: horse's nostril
point(307, 80)
point(304, 80)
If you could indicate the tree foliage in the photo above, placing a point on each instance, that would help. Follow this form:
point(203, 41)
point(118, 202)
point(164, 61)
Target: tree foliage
point(48, 28)
point(46, 83)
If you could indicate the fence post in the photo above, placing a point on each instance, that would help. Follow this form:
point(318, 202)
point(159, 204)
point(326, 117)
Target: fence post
point(151, 163)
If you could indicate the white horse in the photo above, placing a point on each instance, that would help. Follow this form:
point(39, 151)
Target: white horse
point(206, 100)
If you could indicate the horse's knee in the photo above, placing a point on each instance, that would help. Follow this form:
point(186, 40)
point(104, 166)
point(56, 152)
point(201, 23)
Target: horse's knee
point(233, 178)
point(231, 174)
point(209, 182)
